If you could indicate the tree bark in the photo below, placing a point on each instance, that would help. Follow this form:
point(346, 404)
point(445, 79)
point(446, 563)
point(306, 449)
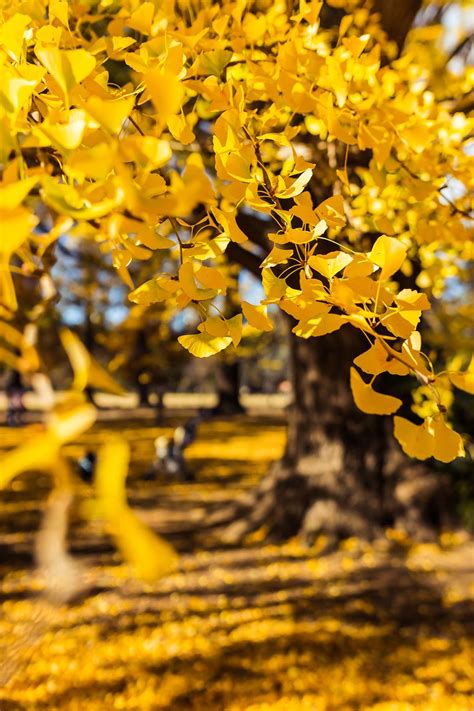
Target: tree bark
point(228, 388)
point(397, 18)
point(228, 370)
point(334, 448)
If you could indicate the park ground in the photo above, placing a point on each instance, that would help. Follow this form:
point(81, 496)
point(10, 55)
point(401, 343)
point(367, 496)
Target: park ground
point(386, 626)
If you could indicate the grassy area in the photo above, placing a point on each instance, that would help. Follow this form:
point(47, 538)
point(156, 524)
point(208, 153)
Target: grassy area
point(383, 627)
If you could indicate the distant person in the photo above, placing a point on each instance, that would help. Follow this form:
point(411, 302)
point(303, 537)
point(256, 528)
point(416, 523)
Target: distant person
point(169, 451)
point(86, 467)
point(15, 391)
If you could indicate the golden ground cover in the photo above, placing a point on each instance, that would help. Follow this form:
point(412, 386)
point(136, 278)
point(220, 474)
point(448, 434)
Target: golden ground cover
point(383, 627)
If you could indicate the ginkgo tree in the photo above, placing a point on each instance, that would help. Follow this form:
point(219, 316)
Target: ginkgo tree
point(307, 142)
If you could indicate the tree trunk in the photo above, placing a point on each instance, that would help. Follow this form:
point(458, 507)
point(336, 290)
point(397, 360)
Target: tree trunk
point(228, 388)
point(143, 390)
point(333, 449)
point(228, 370)
point(342, 474)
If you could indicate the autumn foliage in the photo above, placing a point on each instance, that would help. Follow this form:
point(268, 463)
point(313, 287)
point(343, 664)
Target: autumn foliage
point(211, 133)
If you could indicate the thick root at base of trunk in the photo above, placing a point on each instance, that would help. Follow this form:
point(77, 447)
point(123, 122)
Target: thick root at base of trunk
point(289, 503)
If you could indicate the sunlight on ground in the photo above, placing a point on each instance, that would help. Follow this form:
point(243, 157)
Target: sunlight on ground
point(382, 627)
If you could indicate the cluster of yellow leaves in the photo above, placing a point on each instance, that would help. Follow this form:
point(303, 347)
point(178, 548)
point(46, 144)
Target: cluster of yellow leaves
point(153, 126)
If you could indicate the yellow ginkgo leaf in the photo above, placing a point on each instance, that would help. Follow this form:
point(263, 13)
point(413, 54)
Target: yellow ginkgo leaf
point(188, 284)
point(151, 239)
point(292, 236)
point(257, 316)
point(403, 323)
point(213, 62)
point(415, 440)
point(410, 299)
point(356, 45)
point(332, 211)
point(448, 444)
point(17, 225)
point(49, 35)
point(329, 264)
point(154, 290)
point(95, 162)
point(388, 253)
point(66, 200)
point(203, 345)
point(66, 135)
point(110, 114)
point(12, 34)
point(78, 357)
point(369, 400)
point(433, 438)
point(376, 360)
point(234, 325)
point(212, 278)
point(214, 326)
point(13, 194)
point(166, 91)
point(304, 209)
point(383, 224)
point(59, 10)
point(297, 186)
point(67, 66)
point(229, 225)
point(7, 288)
point(180, 129)
point(8, 358)
point(464, 380)
point(319, 325)
point(16, 90)
point(274, 287)
point(359, 267)
point(142, 18)
point(146, 151)
point(320, 228)
point(337, 81)
point(100, 379)
point(277, 256)
point(417, 137)
point(150, 556)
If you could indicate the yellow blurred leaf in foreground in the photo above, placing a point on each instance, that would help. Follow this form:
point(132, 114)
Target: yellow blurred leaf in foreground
point(149, 555)
point(86, 369)
point(41, 450)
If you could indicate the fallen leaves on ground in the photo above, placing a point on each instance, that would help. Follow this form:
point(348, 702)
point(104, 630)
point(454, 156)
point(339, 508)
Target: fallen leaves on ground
point(383, 627)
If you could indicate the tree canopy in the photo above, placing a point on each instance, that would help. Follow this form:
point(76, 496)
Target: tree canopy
point(204, 135)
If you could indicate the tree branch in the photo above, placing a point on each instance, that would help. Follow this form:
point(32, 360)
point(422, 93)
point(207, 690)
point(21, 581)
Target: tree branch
point(237, 254)
point(397, 18)
point(255, 228)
